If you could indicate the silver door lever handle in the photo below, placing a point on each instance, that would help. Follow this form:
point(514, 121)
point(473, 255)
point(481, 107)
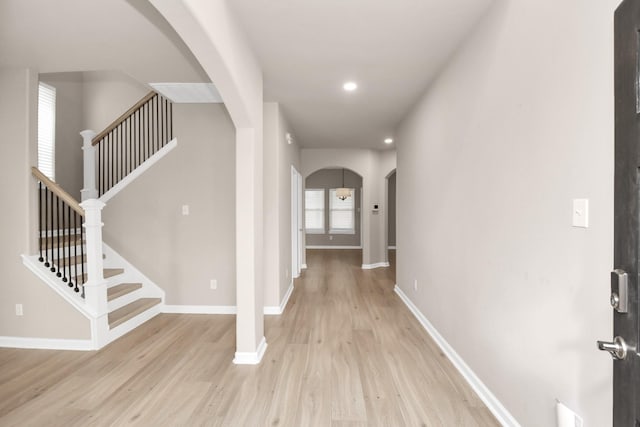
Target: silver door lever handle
point(617, 348)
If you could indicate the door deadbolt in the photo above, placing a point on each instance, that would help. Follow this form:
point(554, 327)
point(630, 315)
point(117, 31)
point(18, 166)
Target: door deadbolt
point(617, 349)
point(619, 291)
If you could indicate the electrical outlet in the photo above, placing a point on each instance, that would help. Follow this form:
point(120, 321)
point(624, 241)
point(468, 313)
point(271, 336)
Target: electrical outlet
point(330, 237)
point(213, 284)
point(19, 311)
point(415, 285)
point(185, 209)
point(287, 273)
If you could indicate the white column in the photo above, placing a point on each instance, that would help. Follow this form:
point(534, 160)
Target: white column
point(89, 191)
point(250, 341)
point(95, 288)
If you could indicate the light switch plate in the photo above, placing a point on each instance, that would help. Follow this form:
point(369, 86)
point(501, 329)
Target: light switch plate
point(581, 213)
point(185, 209)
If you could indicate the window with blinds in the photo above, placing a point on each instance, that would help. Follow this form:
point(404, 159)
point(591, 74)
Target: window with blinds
point(342, 218)
point(314, 211)
point(47, 130)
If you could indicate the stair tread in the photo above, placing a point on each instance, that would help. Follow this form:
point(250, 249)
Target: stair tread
point(121, 290)
point(106, 273)
point(131, 310)
point(74, 259)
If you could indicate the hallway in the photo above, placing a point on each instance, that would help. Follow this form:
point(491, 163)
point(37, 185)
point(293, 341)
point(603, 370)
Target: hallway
point(345, 352)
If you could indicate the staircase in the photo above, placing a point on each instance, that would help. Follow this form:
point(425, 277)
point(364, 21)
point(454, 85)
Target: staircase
point(72, 258)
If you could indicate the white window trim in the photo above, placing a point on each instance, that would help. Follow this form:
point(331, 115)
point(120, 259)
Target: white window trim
point(332, 230)
point(316, 230)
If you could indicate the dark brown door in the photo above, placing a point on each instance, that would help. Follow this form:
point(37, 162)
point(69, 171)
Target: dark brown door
point(624, 279)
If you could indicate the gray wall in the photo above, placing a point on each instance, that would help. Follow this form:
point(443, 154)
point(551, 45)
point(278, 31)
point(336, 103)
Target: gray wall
point(391, 217)
point(46, 315)
point(518, 124)
point(332, 178)
point(279, 156)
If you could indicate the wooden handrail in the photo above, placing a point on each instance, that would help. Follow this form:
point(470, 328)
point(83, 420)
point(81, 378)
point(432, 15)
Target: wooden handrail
point(57, 190)
point(122, 118)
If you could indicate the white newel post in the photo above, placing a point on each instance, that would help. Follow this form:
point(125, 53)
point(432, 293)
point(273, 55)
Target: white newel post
point(89, 191)
point(95, 288)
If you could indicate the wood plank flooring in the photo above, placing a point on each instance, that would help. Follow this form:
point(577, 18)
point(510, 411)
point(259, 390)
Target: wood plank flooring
point(346, 352)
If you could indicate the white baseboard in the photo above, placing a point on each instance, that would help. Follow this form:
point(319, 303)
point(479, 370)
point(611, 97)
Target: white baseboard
point(376, 265)
point(199, 309)
point(332, 247)
point(46, 343)
point(489, 399)
point(273, 310)
point(251, 357)
point(303, 266)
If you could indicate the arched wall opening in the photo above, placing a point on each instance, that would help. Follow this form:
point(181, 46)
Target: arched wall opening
point(338, 224)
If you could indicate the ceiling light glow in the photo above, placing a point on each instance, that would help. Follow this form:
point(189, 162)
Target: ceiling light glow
point(388, 141)
point(350, 86)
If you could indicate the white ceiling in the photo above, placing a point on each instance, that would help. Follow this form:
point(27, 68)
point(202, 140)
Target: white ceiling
point(391, 48)
point(307, 50)
point(87, 35)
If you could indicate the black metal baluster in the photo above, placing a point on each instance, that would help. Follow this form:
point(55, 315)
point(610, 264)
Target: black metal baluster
point(82, 278)
point(170, 121)
point(136, 148)
point(75, 253)
point(46, 226)
point(40, 220)
point(64, 261)
point(130, 145)
point(166, 122)
point(159, 122)
point(148, 135)
point(52, 237)
point(99, 169)
point(58, 274)
point(155, 122)
point(113, 170)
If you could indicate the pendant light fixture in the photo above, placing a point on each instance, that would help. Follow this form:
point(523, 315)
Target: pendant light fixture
point(343, 193)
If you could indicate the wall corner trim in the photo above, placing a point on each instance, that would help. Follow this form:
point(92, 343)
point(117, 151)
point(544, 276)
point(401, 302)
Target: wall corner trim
point(47, 343)
point(199, 309)
point(251, 357)
point(277, 310)
point(495, 406)
point(376, 265)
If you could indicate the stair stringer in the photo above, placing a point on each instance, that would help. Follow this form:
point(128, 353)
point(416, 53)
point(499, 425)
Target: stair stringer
point(131, 275)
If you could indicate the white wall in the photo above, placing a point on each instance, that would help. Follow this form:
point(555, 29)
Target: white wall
point(279, 156)
point(373, 166)
point(519, 124)
point(46, 314)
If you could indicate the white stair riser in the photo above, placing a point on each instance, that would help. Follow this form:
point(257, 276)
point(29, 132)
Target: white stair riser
point(125, 299)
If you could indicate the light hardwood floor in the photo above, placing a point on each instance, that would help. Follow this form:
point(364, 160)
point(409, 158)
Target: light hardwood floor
point(346, 352)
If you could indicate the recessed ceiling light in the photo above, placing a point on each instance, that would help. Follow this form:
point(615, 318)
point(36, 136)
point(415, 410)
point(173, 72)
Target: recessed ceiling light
point(350, 86)
point(388, 141)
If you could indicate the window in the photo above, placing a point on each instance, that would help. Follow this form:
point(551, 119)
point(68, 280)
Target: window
point(342, 218)
point(314, 211)
point(47, 130)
